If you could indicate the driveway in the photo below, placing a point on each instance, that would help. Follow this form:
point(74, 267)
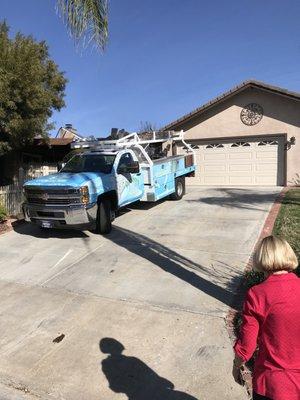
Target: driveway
point(138, 314)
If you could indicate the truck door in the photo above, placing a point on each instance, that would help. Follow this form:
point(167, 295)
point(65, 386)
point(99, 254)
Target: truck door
point(130, 184)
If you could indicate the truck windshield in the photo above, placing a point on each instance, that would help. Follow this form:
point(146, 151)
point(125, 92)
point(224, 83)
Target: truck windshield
point(90, 163)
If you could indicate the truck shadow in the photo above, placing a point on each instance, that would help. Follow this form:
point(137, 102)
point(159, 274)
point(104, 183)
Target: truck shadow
point(131, 376)
point(24, 228)
point(139, 205)
point(218, 284)
point(29, 229)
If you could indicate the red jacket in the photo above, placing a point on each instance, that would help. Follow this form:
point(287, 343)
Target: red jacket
point(271, 319)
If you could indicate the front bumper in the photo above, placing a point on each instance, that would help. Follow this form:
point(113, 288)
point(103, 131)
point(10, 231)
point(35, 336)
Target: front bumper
point(62, 216)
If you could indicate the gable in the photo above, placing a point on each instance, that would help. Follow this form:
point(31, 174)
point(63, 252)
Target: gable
point(255, 87)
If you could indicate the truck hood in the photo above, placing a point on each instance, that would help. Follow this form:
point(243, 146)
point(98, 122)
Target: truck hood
point(96, 182)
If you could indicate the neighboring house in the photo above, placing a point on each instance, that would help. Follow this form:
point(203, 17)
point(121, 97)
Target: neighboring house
point(40, 158)
point(247, 136)
point(68, 132)
point(39, 153)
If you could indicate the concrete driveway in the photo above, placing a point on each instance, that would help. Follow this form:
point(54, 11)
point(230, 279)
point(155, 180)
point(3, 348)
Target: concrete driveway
point(141, 310)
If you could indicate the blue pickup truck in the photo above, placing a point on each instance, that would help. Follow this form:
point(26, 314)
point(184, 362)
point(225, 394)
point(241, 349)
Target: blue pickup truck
point(104, 176)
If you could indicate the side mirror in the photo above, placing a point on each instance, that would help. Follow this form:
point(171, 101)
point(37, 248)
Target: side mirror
point(60, 165)
point(133, 168)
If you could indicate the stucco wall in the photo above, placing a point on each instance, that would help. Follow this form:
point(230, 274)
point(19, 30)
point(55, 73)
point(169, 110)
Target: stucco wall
point(281, 116)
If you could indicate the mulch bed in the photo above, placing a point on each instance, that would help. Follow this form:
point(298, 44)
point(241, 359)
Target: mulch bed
point(4, 227)
point(8, 225)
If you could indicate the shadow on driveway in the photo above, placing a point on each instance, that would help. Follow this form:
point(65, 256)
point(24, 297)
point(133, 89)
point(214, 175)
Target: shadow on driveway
point(174, 263)
point(239, 198)
point(29, 229)
point(131, 376)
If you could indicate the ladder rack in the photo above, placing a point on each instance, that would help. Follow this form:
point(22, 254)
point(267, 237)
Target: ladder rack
point(135, 141)
point(129, 140)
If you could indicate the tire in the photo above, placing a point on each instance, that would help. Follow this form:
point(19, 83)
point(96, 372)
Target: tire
point(103, 223)
point(179, 189)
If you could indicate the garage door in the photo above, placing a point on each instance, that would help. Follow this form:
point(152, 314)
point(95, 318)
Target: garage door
point(242, 162)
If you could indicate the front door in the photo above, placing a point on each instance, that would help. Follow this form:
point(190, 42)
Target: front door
point(130, 185)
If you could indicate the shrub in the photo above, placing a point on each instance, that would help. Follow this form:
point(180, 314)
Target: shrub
point(3, 213)
point(252, 278)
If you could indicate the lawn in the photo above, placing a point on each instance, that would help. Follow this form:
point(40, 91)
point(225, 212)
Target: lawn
point(287, 224)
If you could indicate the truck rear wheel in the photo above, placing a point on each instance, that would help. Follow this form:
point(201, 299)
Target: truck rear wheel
point(179, 189)
point(103, 223)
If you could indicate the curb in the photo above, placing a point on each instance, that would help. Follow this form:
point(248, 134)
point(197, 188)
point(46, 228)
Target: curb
point(241, 290)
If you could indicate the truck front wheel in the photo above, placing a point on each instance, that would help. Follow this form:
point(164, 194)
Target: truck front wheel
point(103, 223)
point(179, 189)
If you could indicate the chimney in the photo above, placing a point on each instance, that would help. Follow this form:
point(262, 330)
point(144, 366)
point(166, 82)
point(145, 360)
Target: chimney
point(114, 133)
point(70, 127)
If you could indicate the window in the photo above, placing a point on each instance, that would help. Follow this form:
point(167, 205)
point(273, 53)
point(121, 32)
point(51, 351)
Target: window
point(90, 163)
point(140, 155)
point(268, 142)
point(240, 144)
point(214, 146)
point(125, 160)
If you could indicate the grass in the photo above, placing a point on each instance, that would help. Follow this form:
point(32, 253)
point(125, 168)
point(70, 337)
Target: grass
point(287, 224)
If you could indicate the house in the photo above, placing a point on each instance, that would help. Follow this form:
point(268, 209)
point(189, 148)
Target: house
point(39, 158)
point(68, 132)
point(249, 135)
point(39, 154)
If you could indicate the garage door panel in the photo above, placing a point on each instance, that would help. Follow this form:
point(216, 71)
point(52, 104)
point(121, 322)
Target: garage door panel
point(266, 167)
point(251, 162)
point(264, 180)
point(267, 159)
point(214, 168)
point(240, 155)
point(240, 180)
point(242, 168)
point(215, 180)
point(214, 157)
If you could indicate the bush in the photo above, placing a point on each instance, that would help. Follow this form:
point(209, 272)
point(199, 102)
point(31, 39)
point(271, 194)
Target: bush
point(3, 213)
point(252, 278)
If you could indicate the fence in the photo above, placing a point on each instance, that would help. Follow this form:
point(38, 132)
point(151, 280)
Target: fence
point(11, 196)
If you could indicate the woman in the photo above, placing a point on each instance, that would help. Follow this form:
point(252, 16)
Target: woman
point(271, 321)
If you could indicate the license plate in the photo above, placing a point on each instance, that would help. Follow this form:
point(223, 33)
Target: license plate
point(47, 224)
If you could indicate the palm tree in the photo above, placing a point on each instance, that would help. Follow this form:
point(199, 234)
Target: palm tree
point(87, 20)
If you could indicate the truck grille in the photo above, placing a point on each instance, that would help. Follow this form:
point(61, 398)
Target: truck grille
point(53, 196)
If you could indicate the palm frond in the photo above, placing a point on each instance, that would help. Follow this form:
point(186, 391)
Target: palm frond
point(86, 20)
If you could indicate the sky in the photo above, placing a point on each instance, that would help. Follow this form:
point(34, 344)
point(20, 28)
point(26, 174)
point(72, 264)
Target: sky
point(164, 58)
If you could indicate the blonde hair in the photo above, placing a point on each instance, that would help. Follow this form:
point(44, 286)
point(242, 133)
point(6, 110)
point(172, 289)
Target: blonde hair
point(274, 254)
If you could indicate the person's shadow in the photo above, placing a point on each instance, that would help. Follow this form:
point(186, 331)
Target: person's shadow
point(131, 376)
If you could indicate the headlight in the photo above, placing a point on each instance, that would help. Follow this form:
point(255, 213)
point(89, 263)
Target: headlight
point(85, 197)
